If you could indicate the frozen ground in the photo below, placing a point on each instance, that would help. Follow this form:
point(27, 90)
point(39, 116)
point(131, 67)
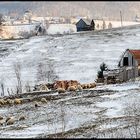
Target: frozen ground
point(79, 116)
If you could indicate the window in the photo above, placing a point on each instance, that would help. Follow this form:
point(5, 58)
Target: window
point(125, 61)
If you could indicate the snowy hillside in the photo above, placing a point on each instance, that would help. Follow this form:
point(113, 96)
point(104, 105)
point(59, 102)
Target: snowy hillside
point(76, 56)
point(106, 111)
point(61, 28)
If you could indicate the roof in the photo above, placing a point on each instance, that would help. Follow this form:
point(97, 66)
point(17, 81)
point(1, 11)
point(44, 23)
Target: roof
point(88, 22)
point(136, 55)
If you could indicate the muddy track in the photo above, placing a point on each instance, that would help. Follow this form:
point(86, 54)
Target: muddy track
point(53, 95)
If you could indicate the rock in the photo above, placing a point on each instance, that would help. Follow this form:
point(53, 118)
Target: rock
point(43, 100)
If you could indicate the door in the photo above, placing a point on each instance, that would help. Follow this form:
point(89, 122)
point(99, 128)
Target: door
point(125, 61)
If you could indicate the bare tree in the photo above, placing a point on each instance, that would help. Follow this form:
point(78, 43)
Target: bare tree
point(132, 111)
point(8, 91)
point(51, 73)
point(41, 72)
point(12, 92)
point(17, 70)
point(2, 89)
point(27, 87)
point(46, 73)
point(2, 85)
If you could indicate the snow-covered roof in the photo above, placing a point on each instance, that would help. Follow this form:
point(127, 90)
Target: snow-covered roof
point(88, 22)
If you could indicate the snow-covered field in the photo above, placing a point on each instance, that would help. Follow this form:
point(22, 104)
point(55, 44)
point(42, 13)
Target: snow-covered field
point(61, 29)
point(78, 57)
point(95, 114)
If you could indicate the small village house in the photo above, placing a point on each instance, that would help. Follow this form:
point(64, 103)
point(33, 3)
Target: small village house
point(85, 25)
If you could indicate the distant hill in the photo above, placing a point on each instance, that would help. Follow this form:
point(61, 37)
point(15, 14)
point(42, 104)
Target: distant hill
point(110, 9)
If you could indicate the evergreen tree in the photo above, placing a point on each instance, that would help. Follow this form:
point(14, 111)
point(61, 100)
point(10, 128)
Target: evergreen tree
point(103, 67)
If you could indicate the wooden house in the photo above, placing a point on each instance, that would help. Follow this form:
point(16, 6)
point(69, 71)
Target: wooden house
point(85, 25)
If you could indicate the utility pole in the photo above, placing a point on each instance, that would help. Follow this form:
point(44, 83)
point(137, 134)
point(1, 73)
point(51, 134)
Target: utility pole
point(121, 18)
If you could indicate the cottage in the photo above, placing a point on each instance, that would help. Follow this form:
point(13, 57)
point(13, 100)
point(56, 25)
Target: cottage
point(85, 25)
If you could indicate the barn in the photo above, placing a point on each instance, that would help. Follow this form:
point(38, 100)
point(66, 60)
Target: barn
point(128, 68)
point(85, 25)
point(130, 60)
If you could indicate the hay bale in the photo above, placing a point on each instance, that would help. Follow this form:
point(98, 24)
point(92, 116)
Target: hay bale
point(79, 87)
point(17, 101)
point(93, 85)
point(72, 88)
point(61, 90)
point(2, 122)
point(1, 118)
point(5, 102)
point(9, 101)
point(8, 118)
point(84, 86)
point(22, 126)
point(22, 117)
point(88, 86)
point(10, 121)
point(2, 101)
point(36, 104)
point(44, 88)
point(43, 100)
